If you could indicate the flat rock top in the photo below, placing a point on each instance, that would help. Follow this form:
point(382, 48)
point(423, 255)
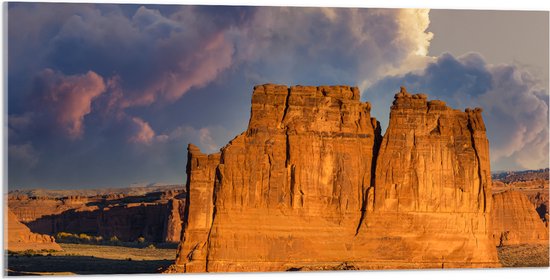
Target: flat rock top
point(335, 91)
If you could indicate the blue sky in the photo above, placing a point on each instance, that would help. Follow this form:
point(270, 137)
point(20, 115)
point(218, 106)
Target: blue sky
point(110, 95)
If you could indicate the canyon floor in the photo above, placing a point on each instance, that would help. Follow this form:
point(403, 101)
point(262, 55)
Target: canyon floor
point(84, 259)
point(525, 255)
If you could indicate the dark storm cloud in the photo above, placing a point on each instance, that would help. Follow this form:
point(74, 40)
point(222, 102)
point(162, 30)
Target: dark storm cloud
point(148, 62)
point(112, 94)
point(515, 105)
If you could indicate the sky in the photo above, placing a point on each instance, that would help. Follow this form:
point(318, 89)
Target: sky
point(110, 95)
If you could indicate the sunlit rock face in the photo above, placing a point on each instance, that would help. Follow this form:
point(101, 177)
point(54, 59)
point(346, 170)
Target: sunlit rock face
point(432, 197)
point(20, 237)
point(515, 220)
point(534, 185)
point(311, 184)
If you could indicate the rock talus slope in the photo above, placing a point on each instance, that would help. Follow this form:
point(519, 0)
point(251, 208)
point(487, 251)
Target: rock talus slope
point(311, 184)
point(20, 238)
point(515, 220)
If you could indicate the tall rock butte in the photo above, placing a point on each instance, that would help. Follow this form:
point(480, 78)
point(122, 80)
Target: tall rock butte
point(311, 184)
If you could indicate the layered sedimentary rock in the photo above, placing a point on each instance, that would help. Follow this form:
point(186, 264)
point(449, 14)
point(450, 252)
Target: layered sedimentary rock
point(155, 216)
point(515, 220)
point(311, 185)
point(534, 186)
point(432, 196)
point(20, 238)
point(174, 222)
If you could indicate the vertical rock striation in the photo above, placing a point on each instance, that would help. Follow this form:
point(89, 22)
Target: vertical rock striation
point(174, 223)
point(199, 209)
point(311, 185)
point(432, 188)
point(515, 220)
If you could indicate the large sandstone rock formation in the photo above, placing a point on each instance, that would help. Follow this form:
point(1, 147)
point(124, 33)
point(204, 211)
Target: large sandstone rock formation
point(432, 196)
point(20, 238)
point(515, 220)
point(311, 185)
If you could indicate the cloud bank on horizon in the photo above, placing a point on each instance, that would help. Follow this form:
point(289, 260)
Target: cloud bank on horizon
point(107, 95)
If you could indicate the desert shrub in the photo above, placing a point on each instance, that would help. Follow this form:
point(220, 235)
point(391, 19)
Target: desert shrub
point(49, 251)
point(114, 240)
point(29, 253)
point(84, 237)
point(151, 246)
point(65, 236)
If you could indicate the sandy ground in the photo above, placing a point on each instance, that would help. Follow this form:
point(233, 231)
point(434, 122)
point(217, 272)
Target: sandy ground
point(95, 259)
point(527, 255)
point(91, 259)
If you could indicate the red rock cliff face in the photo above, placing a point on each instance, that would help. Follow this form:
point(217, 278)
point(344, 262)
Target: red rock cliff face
point(156, 216)
point(297, 191)
point(432, 193)
point(515, 220)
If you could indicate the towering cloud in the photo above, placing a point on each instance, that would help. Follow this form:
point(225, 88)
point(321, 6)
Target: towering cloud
point(162, 55)
point(331, 45)
point(68, 98)
point(145, 80)
point(515, 104)
point(144, 133)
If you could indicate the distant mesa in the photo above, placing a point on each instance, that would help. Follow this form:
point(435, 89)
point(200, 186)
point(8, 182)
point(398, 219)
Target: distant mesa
point(312, 184)
point(153, 213)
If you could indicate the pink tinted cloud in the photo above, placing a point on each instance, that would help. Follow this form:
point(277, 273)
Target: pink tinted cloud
point(196, 70)
point(202, 67)
point(144, 133)
point(69, 98)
